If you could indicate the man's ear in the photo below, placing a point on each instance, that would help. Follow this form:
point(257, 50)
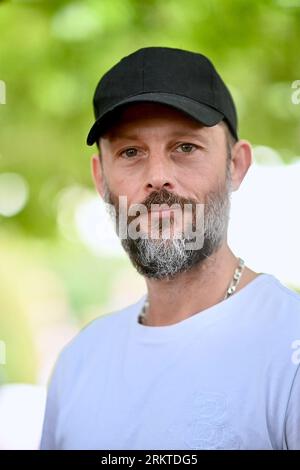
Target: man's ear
point(97, 173)
point(240, 163)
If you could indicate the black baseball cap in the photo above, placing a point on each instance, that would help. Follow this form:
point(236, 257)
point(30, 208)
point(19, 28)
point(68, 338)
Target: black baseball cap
point(185, 80)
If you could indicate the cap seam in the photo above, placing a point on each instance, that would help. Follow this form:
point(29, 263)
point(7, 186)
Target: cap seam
point(165, 93)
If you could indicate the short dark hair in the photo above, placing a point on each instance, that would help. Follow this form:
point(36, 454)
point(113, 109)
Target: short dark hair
point(229, 136)
point(230, 140)
point(99, 150)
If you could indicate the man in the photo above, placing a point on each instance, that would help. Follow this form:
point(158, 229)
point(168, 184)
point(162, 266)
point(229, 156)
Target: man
point(209, 357)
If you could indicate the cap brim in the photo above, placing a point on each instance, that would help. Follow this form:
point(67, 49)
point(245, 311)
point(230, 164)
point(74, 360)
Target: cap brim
point(201, 112)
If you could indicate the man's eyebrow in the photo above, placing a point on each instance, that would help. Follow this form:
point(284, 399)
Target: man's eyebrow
point(199, 133)
point(196, 134)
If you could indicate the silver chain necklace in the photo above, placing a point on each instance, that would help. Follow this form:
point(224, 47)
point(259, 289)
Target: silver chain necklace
point(230, 290)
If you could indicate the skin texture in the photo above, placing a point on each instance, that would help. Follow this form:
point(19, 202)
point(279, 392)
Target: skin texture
point(156, 159)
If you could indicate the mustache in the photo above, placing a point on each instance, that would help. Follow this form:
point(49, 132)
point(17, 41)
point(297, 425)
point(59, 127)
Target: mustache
point(166, 197)
point(160, 197)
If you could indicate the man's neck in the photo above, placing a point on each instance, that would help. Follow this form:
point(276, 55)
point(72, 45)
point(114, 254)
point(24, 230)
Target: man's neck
point(171, 301)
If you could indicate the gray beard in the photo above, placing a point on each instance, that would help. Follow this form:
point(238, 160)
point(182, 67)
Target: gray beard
point(165, 258)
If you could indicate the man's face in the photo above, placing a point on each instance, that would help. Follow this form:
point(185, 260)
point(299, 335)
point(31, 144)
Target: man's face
point(155, 154)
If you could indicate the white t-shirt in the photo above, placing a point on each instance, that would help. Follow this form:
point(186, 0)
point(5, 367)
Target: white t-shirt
point(227, 377)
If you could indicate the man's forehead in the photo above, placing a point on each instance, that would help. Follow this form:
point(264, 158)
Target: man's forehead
point(132, 134)
point(129, 122)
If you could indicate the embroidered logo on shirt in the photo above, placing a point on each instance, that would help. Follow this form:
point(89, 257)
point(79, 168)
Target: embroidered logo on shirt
point(209, 427)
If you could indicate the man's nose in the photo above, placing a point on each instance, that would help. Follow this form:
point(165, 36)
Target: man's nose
point(159, 174)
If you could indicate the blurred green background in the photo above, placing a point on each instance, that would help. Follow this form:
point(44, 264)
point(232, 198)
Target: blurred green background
point(52, 54)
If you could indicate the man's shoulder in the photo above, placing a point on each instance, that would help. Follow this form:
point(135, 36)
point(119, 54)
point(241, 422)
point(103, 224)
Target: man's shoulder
point(108, 327)
point(283, 295)
point(277, 310)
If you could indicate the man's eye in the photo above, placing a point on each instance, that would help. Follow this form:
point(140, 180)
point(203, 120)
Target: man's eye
point(130, 152)
point(186, 147)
